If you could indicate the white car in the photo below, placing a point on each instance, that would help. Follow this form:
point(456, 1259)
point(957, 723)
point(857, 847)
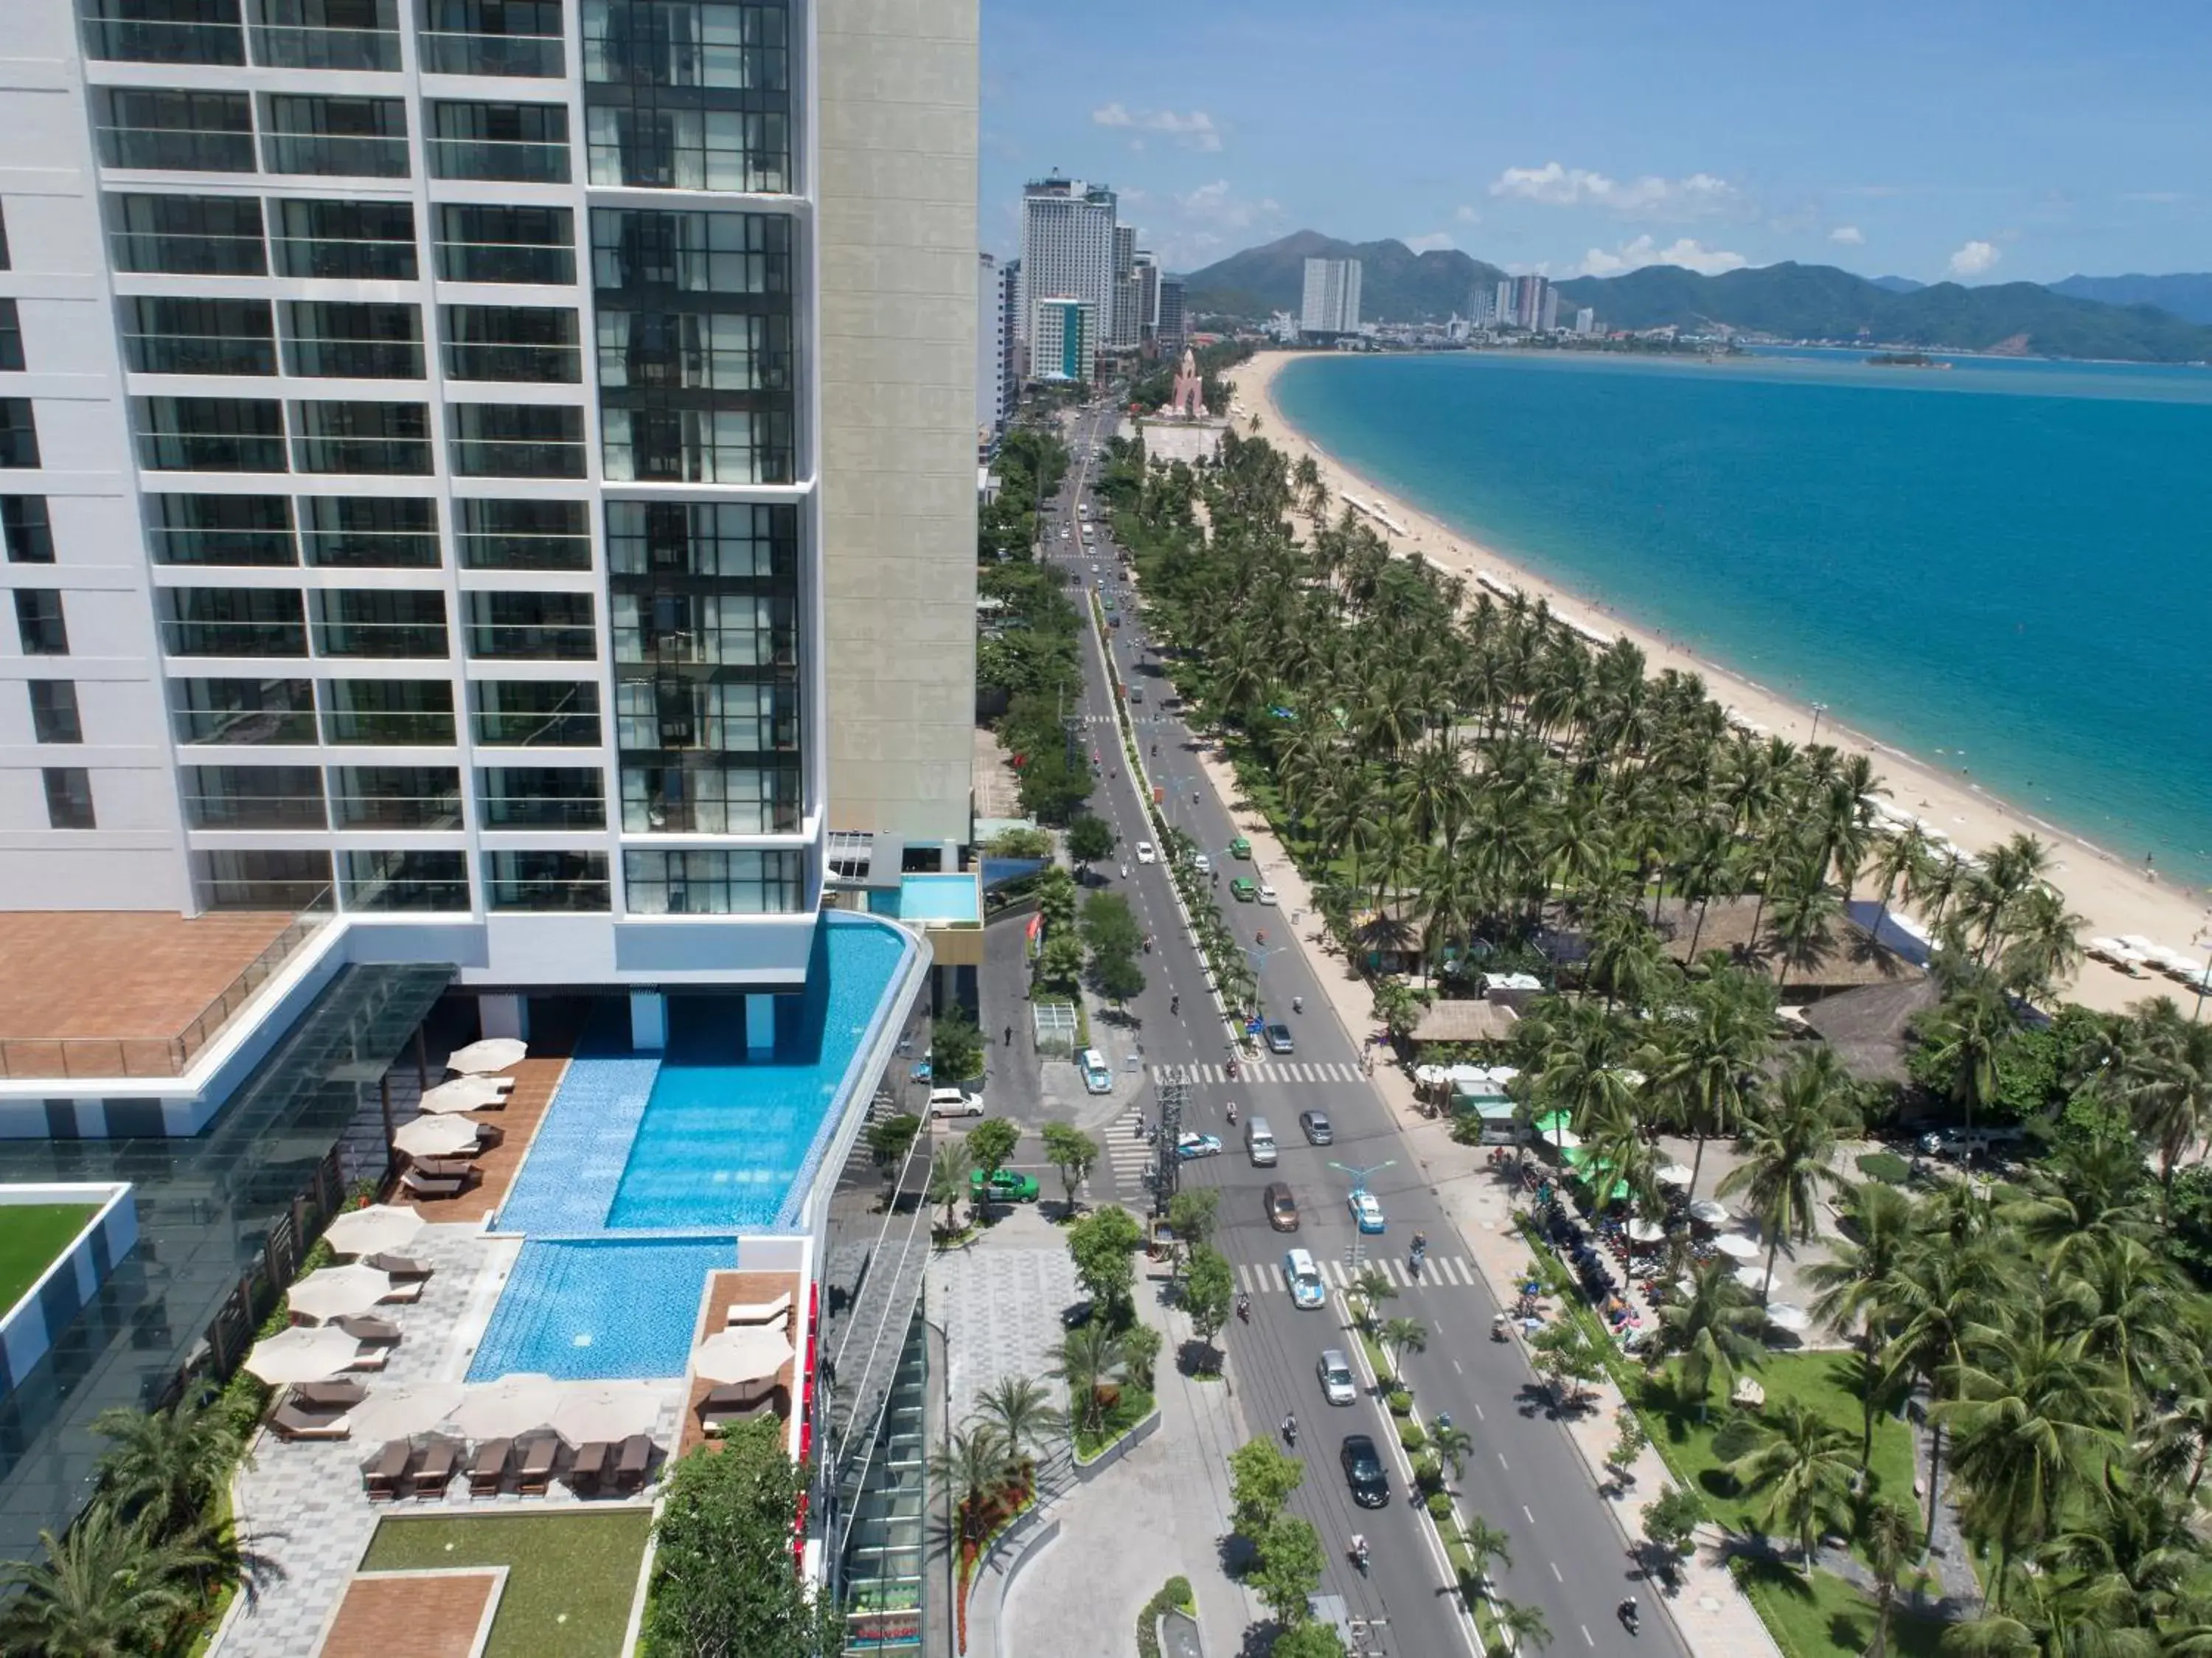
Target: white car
point(1203, 864)
point(953, 1102)
point(1267, 894)
point(1144, 852)
point(1188, 1146)
point(1337, 1386)
point(1306, 1289)
point(1366, 1212)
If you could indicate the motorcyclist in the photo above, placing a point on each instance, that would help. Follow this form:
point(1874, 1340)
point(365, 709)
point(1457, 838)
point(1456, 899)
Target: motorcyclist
point(1175, 1005)
point(1297, 1004)
point(1629, 1613)
point(1359, 1551)
point(1232, 1114)
point(1244, 1306)
point(1291, 1428)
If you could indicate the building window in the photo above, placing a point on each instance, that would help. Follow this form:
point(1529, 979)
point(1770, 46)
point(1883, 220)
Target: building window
point(524, 534)
point(367, 241)
point(262, 881)
point(210, 434)
point(546, 881)
point(535, 713)
point(19, 433)
point(680, 149)
point(54, 716)
point(68, 797)
point(512, 342)
point(361, 439)
point(232, 621)
point(686, 43)
point(695, 350)
point(254, 797)
point(697, 538)
point(372, 531)
point(357, 137)
point(186, 235)
point(11, 337)
point(175, 131)
point(330, 339)
point(638, 252)
point(24, 528)
point(713, 883)
point(524, 626)
point(222, 529)
point(519, 38)
point(527, 144)
point(162, 30)
point(165, 336)
point(695, 445)
point(542, 797)
point(38, 625)
point(362, 34)
point(689, 797)
point(388, 713)
point(392, 881)
point(395, 797)
point(260, 711)
point(723, 716)
point(730, 630)
point(516, 440)
point(381, 622)
point(482, 243)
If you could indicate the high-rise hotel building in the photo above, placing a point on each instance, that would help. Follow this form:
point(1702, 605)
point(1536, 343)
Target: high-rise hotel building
point(466, 459)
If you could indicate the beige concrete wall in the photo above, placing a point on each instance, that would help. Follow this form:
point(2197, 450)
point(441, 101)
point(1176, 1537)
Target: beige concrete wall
point(898, 84)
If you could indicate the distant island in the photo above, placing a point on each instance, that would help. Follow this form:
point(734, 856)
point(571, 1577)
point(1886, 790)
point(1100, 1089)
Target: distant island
point(1906, 359)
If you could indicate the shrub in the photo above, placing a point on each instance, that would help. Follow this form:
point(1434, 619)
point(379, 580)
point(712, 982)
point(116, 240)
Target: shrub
point(1401, 1402)
point(1884, 1166)
point(1411, 1436)
point(1440, 1506)
point(1428, 1472)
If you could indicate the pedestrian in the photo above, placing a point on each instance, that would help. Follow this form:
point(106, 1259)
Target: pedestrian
point(1010, 1036)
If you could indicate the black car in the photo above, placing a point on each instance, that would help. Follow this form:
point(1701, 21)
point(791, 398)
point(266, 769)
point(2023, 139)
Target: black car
point(1316, 1126)
point(1363, 1471)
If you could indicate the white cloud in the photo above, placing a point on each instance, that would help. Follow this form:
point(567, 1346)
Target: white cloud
point(1435, 241)
point(1687, 252)
point(1848, 235)
point(1466, 214)
point(1217, 203)
point(1648, 198)
point(1195, 130)
point(1974, 259)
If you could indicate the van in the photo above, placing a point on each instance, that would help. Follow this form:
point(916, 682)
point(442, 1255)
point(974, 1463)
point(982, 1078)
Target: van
point(1260, 1143)
point(1097, 1074)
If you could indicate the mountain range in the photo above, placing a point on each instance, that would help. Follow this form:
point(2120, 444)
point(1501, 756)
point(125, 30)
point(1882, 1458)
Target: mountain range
point(2189, 297)
point(1791, 300)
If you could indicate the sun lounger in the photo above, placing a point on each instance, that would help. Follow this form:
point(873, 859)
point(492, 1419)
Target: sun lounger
point(590, 1467)
point(328, 1395)
point(402, 1294)
point(448, 1169)
point(773, 1312)
point(370, 1358)
point(400, 1266)
point(435, 1471)
point(636, 1460)
point(738, 1401)
point(537, 1470)
point(289, 1422)
point(488, 1471)
point(418, 1185)
point(489, 1135)
point(381, 1478)
point(368, 1329)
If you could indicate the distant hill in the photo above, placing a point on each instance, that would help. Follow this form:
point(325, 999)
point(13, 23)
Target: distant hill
point(1897, 285)
point(1395, 281)
point(2187, 297)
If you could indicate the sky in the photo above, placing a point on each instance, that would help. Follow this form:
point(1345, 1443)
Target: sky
point(1975, 141)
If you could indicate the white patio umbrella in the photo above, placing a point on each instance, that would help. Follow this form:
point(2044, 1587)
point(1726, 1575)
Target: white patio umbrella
point(1753, 1278)
point(1673, 1174)
point(1736, 1246)
point(1711, 1213)
point(1783, 1316)
point(337, 1291)
point(436, 1136)
point(404, 1413)
point(301, 1355)
point(609, 1411)
point(462, 1094)
point(1645, 1232)
point(748, 1353)
point(482, 1058)
point(1561, 1139)
point(504, 1409)
point(366, 1231)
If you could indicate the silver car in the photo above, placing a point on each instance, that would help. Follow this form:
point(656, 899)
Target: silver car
point(1334, 1369)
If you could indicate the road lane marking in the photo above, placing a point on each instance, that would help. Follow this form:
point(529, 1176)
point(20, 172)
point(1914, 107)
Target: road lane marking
point(1556, 1572)
point(1457, 1368)
point(1527, 1515)
point(1478, 1416)
point(1584, 1628)
point(1503, 1463)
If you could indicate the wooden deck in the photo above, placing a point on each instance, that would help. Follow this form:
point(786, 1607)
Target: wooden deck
point(536, 1080)
point(415, 1615)
point(724, 1291)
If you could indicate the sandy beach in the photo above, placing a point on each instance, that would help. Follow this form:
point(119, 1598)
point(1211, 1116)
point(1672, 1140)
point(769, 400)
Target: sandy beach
point(2117, 897)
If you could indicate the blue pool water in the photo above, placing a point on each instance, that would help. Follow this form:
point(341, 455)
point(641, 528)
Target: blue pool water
point(600, 1309)
point(929, 898)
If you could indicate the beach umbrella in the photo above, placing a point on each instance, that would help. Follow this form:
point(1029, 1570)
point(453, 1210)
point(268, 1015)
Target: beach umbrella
point(404, 1413)
point(1736, 1246)
point(301, 1355)
point(1673, 1174)
point(493, 1053)
point(1555, 1122)
point(1783, 1316)
point(608, 1411)
point(751, 1353)
point(462, 1094)
point(336, 1292)
point(1753, 1278)
point(368, 1231)
point(1645, 1232)
point(507, 1408)
point(436, 1136)
point(1711, 1212)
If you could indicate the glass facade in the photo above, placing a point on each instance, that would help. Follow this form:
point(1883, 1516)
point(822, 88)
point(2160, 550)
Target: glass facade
point(358, 137)
point(713, 883)
point(481, 243)
point(381, 622)
point(388, 713)
point(519, 38)
point(221, 529)
point(395, 797)
point(370, 531)
point(512, 342)
point(254, 797)
point(186, 235)
point(330, 339)
point(358, 34)
point(163, 336)
point(55, 716)
point(516, 440)
point(687, 95)
point(232, 621)
point(541, 797)
point(524, 534)
point(161, 31)
point(363, 241)
point(195, 132)
point(362, 439)
point(25, 530)
point(257, 711)
point(545, 880)
point(532, 626)
point(535, 713)
point(395, 880)
point(527, 144)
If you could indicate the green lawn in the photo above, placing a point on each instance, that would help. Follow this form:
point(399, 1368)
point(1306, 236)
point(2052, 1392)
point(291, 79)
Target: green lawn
point(31, 1236)
point(570, 1578)
point(1827, 1617)
point(1824, 1380)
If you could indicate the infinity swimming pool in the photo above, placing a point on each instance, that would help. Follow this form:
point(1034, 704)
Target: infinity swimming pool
point(600, 1309)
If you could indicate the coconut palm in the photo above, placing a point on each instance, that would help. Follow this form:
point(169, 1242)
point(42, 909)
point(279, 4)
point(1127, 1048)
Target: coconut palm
point(1715, 1328)
point(2180, 1444)
point(1857, 1285)
point(1891, 1534)
point(1706, 1066)
point(1403, 1336)
point(1805, 1465)
point(972, 1465)
point(1024, 1414)
point(949, 1180)
point(1901, 863)
point(2123, 1304)
point(1372, 1287)
point(1941, 1288)
point(1789, 1145)
point(1522, 1623)
point(163, 1468)
point(105, 1590)
point(1966, 1035)
point(1090, 1359)
point(1453, 1445)
point(1800, 925)
point(1484, 1542)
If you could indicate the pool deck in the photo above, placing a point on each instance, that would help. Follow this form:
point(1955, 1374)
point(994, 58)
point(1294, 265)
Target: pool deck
point(724, 1291)
point(537, 1080)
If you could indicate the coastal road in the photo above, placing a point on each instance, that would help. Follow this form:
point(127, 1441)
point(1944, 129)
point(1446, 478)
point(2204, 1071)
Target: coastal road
point(1569, 1559)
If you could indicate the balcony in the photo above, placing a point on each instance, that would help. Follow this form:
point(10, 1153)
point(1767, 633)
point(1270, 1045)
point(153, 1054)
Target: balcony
point(121, 40)
point(537, 57)
point(334, 155)
point(180, 150)
point(200, 354)
point(217, 638)
point(294, 46)
point(517, 161)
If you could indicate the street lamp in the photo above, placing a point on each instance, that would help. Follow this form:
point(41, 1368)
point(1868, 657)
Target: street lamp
point(1818, 709)
point(1256, 957)
point(1359, 1175)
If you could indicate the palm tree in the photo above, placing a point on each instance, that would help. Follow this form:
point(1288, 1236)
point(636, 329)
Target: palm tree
point(949, 1180)
point(2180, 1440)
point(1789, 1148)
point(2124, 1304)
point(1801, 921)
point(105, 1590)
point(1522, 1623)
point(1484, 1542)
point(1373, 1287)
point(1707, 1066)
point(1715, 1328)
point(1901, 863)
point(1806, 1465)
point(1943, 1285)
point(1453, 1445)
point(1088, 1359)
point(1024, 1414)
point(1891, 1532)
point(1404, 1335)
point(163, 1468)
point(972, 1465)
point(1966, 1036)
point(1857, 1285)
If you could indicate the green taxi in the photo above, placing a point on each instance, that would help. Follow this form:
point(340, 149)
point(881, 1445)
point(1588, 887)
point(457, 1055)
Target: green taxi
point(1244, 889)
point(1241, 848)
point(1008, 1186)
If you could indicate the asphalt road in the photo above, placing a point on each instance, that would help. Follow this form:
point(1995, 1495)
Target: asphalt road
point(1568, 1557)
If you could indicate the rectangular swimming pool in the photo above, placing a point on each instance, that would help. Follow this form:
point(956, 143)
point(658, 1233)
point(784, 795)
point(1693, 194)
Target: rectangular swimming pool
point(600, 1309)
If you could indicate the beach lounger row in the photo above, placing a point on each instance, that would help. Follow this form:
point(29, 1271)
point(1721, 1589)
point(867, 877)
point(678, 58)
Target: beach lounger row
point(399, 1469)
point(741, 1401)
point(597, 1468)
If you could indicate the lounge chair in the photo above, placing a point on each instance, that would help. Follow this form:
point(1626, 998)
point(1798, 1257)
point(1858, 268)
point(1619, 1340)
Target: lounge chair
point(288, 1422)
point(488, 1471)
point(370, 1358)
point(536, 1474)
point(368, 1329)
point(400, 1295)
point(489, 1135)
point(435, 1471)
point(381, 1478)
point(400, 1266)
point(590, 1467)
point(418, 1185)
point(448, 1169)
point(635, 1463)
point(328, 1395)
point(760, 1311)
point(737, 1401)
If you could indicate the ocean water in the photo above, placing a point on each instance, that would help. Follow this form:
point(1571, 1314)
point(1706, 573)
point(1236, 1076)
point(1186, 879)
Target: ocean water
point(2003, 569)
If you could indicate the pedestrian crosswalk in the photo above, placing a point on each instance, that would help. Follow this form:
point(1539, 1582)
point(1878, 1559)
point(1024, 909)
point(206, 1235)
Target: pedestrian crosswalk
point(1128, 1154)
point(1455, 1271)
point(1262, 1072)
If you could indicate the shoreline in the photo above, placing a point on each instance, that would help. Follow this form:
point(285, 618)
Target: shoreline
point(2114, 897)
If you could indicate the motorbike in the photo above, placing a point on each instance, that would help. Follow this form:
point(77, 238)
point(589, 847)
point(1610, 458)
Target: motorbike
point(1498, 1331)
point(1243, 1308)
point(1174, 1006)
point(1631, 1618)
point(1230, 1068)
point(1358, 1554)
point(1291, 1431)
point(1232, 1114)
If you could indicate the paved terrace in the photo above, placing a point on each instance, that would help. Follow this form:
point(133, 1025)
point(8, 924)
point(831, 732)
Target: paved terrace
point(724, 1291)
point(536, 1079)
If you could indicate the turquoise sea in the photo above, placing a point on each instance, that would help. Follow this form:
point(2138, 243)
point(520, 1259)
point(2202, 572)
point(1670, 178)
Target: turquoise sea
point(2003, 569)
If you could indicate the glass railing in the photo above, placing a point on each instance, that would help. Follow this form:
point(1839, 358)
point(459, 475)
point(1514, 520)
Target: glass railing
point(384, 729)
point(288, 46)
point(379, 893)
point(255, 812)
point(200, 354)
point(179, 149)
point(362, 456)
point(373, 261)
point(566, 641)
point(188, 452)
point(530, 893)
point(248, 547)
point(544, 364)
point(115, 40)
point(506, 262)
point(517, 458)
point(542, 812)
point(370, 550)
point(355, 359)
point(440, 811)
point(519, 160)
point(163, 253)
point(538, 55)
point(525, 551)
point(380, 639)
point(259, 727)
point(531, 730)
point(234, 638)
point(332, 154)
